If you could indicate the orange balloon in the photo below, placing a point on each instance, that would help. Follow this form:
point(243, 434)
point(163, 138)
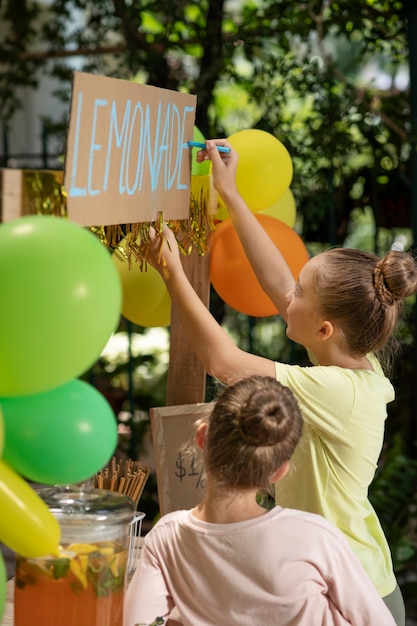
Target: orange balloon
point(232, 275)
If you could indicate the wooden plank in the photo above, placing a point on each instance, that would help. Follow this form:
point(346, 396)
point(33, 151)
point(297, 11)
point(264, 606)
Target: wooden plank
point(180, 477)
point(11, 194)
point(186, 376)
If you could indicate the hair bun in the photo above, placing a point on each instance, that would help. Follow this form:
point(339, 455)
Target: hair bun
point(253, 429)
point(259, 422)
point(395, 277)
point(383, 292)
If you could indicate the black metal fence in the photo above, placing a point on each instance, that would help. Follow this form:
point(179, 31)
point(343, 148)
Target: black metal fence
point(47, 158)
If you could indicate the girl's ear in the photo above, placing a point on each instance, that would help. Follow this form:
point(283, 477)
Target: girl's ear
point(326, 330)
point(200, 435)
point(280, 472)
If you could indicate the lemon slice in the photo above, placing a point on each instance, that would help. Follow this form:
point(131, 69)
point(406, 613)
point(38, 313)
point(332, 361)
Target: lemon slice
point(39, 570)
point(82, 548)
point(78, 572)
point(83, 561)
point(63, 552)
point(118, 564)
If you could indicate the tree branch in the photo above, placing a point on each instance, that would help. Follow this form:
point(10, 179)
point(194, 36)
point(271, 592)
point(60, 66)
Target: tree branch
point(44, 55)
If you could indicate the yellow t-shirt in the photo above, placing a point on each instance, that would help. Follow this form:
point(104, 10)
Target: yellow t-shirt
point(335, 461)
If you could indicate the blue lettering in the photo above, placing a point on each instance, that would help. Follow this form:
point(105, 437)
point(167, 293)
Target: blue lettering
point(152, 157)
point(182, 146)
point(141, 141)
point(139, 166)
point(175, 118)
point(165, 144)
point(75, 191)
point(119, 138)
point(94, 147)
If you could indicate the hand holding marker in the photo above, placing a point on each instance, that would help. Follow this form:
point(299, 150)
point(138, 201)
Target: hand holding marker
point(199, 144)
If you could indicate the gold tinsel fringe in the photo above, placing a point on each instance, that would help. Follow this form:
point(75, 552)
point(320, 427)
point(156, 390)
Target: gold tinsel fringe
point(44, 194)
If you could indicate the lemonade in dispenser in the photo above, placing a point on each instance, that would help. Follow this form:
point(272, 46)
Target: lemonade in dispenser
point(84, 584)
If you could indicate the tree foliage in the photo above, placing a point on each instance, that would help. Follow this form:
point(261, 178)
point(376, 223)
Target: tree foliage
point(308, 71)
point(329, 78)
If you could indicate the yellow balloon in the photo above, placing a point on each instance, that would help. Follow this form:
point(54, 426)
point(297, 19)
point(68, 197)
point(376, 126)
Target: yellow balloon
point(26, 524)
point(160, 316)
point(222, 213)
point(143, 290)
point(264, 171)
point(283, 209)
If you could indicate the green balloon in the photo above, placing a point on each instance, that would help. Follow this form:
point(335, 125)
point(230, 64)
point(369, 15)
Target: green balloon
point(1, 433)
point(198, 169)
point(3, 581)
point(61, 436)
point(60, 298)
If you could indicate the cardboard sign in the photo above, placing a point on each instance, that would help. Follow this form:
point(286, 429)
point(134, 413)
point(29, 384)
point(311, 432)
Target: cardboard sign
point(127, 152)
point(180, 477)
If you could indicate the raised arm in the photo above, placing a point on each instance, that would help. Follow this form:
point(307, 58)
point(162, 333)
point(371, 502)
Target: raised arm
point(269, 265)
point(218, 354)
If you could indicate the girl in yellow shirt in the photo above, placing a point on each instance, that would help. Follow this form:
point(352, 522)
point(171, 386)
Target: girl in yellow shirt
point(343, 308)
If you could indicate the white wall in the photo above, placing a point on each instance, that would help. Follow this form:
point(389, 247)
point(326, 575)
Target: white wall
point(25, 128)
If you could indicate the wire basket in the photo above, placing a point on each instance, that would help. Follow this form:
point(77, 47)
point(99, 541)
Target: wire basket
point(135, 530)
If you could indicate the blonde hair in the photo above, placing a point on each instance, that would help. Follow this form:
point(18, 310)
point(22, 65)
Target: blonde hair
point(253, 429)
point(364, 294)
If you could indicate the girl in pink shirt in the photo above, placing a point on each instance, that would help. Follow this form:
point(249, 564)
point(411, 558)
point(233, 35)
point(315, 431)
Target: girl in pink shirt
point(230, 561)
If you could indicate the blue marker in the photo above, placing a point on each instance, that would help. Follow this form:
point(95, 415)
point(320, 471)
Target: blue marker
point(198, 144)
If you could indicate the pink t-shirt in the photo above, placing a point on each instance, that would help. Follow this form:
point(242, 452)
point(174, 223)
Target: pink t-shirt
point(285, 567)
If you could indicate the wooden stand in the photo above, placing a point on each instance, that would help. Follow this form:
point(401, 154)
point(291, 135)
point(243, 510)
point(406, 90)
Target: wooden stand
point(11, 195)
point(186, 375)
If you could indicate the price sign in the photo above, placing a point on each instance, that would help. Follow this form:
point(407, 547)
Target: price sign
point(180, 477)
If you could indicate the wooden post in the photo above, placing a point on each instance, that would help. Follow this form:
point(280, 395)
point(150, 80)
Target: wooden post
point(186, 376)
point(11, 194)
